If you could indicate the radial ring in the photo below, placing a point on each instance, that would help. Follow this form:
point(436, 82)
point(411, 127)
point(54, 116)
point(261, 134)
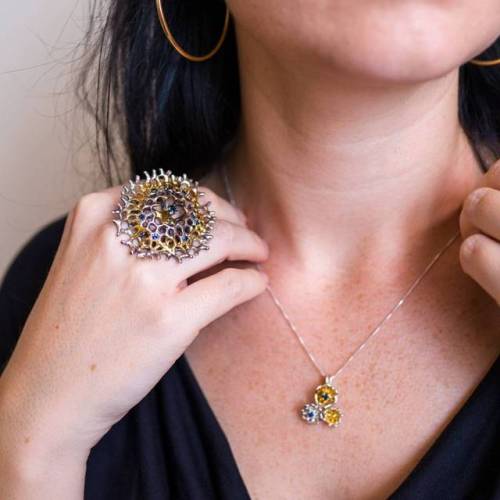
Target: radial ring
point(162, 215)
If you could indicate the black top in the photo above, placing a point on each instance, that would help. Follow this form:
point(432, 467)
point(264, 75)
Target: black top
point(171, 446)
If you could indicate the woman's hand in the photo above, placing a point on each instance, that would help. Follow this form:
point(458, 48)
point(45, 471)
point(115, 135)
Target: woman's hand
point(108, 325)
point(480, 228)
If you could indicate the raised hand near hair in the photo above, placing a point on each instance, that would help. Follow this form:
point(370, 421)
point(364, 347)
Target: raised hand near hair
point(103, 331)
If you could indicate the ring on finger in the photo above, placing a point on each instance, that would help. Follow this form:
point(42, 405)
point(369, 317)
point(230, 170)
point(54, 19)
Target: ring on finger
point(162, 215)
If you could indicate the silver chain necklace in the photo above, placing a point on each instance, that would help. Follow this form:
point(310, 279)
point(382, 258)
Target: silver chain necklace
point(325, 395)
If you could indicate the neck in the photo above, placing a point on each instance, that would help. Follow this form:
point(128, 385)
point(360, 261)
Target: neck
point(336, 173)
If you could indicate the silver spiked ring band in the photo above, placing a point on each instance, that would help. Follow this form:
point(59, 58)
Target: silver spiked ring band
point(162, 215)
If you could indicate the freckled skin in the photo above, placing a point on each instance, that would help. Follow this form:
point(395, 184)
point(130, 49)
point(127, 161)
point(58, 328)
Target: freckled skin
point(404, 374)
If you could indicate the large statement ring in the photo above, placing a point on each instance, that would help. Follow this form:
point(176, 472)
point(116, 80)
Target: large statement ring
point(163, 215)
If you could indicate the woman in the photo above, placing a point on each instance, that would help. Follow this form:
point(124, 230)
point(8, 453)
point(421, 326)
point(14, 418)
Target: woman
point(355, 137)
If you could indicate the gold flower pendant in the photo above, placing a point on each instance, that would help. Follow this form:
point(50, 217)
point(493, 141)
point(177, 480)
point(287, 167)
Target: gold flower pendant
point(323, 408)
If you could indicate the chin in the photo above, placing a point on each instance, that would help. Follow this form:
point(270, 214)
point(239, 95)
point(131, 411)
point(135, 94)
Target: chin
point(407, 45)
point(397, 64)
point(403, 41)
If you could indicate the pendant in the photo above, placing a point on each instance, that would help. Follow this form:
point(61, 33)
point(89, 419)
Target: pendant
point(323, 408)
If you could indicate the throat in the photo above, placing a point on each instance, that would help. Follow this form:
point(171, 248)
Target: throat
point(338, 200)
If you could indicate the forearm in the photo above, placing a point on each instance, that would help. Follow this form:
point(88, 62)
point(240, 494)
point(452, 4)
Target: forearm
point(30, 466)
point(23, 479)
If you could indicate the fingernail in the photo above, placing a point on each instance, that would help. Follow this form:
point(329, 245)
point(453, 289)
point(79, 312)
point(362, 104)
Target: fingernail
point(468, 246)
point(474, 198)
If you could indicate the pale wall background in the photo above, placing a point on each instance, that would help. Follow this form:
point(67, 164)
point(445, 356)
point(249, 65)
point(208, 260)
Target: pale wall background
point(46, 162)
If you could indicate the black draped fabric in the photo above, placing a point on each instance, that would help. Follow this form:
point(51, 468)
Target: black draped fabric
point(171, 446)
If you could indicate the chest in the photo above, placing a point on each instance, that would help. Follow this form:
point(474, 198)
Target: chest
point(396, 395)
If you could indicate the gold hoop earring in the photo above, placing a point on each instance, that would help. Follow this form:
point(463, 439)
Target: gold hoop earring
point(493, 62)
point(178, 48)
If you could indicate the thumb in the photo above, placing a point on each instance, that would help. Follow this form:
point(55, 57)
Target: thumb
point(489, 180)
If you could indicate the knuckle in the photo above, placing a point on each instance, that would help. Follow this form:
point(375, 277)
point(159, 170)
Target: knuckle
point(260, 241)
point(85, 206)
point(88, 200)
point(232, 282)
point(225, 232)
point(112, 192)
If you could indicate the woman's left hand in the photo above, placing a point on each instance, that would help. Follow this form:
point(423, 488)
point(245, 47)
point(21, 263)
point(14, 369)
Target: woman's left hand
point(480, 229)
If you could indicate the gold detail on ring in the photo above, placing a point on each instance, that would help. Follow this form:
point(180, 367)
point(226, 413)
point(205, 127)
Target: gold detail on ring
point(163, 215)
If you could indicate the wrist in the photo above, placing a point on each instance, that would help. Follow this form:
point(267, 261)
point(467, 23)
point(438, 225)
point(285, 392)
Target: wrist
point(29, 476)
point(32, 466)
point(31, 444)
